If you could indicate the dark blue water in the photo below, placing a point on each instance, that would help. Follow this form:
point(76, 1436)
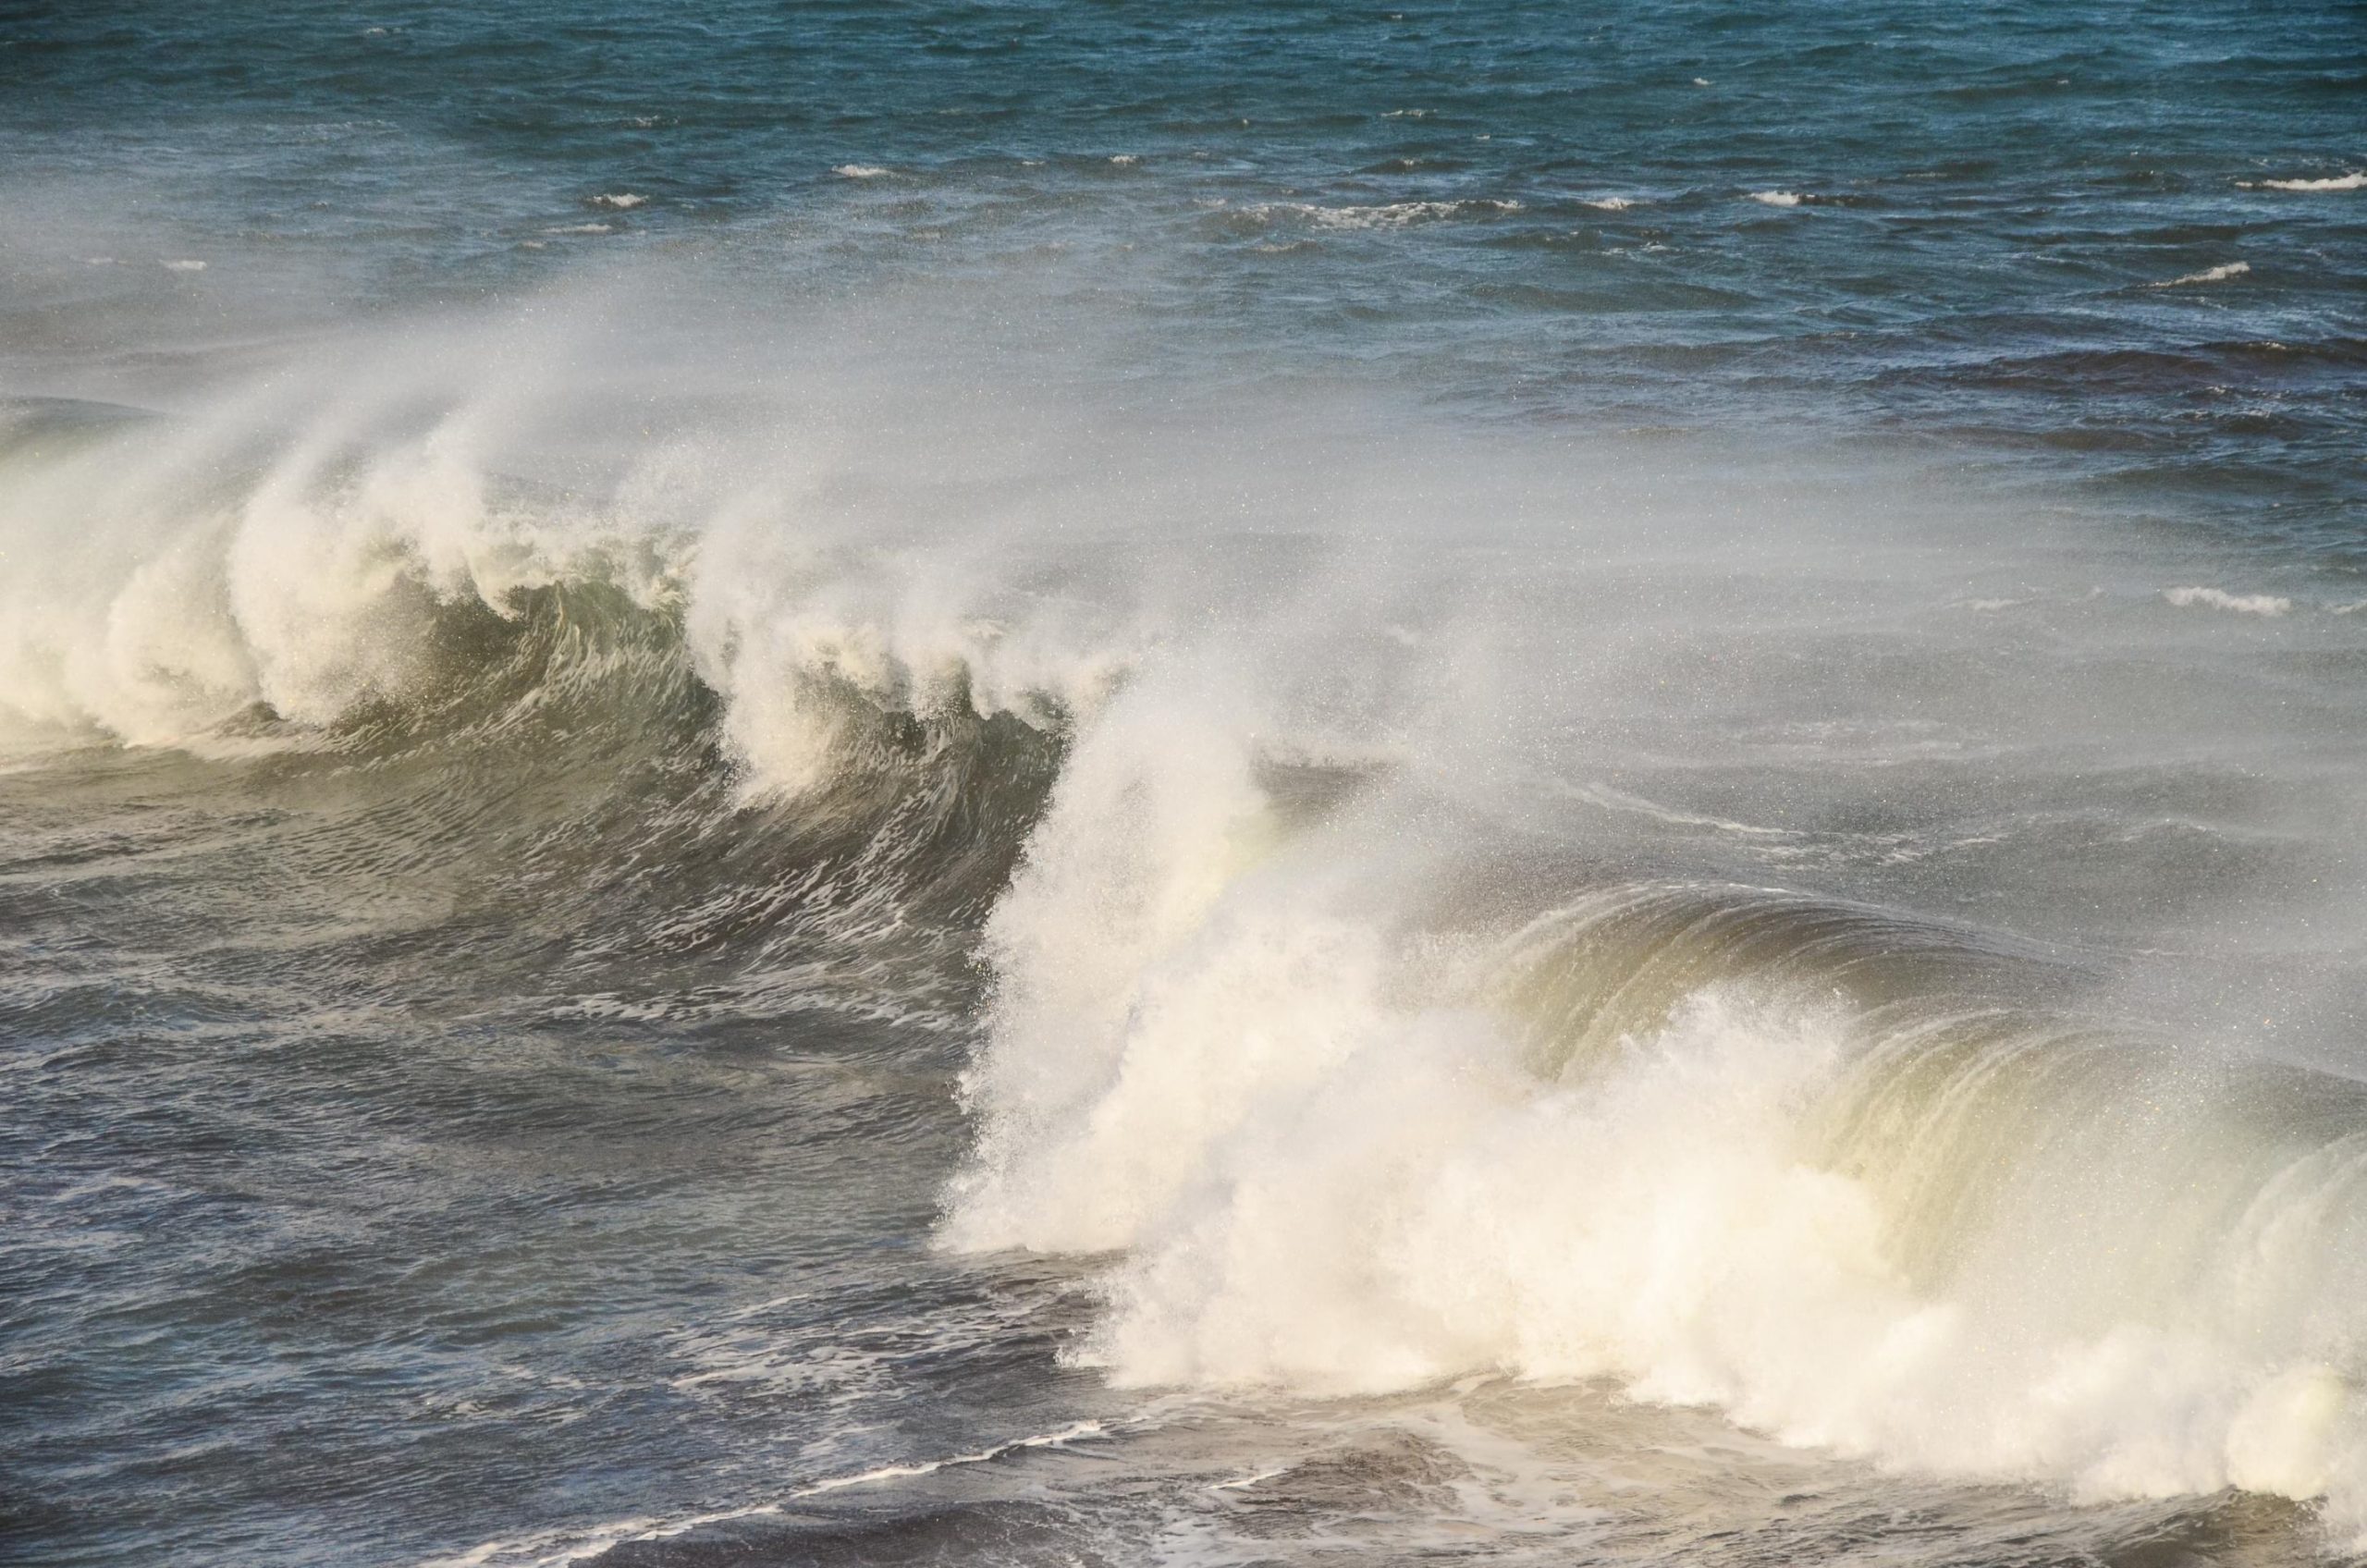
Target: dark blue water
point(724, 730)
point(1998, 201)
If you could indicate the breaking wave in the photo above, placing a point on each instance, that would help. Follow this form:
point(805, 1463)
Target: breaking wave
point(1358, 1088)
point(1864, 1183)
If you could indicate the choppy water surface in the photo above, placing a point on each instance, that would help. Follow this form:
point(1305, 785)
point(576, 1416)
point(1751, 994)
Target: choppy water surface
point(1213, 785)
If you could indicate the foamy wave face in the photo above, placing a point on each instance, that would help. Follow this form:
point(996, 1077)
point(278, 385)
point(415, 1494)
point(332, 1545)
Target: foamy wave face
point(294, 554)
point(307, 583)
point(801, 641)
point(1341, 1155)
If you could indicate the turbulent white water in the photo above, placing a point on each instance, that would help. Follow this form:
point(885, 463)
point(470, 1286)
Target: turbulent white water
point(1339, 1153)
point(1334, 1168)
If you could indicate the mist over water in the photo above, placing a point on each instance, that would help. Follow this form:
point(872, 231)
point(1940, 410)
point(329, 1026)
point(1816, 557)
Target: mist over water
point(1004, 784)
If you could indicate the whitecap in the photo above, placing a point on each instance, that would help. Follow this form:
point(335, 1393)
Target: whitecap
point(1386, 214)
point(184, 264)
point(623, 201)
point(2355, 180)
point(2209, 274)
point(2220, 599)
point(1778, 198)
point(860, 171)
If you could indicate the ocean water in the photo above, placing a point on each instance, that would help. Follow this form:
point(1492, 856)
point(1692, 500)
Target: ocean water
point(1223, 784)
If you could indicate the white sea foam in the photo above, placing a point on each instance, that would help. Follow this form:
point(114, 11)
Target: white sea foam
point(1778, 198)
point(2220, 599)
point(1386, 214)
point(1608, 203)
point(862, 171)
point(1076, 1433)
point(623, 201)
point(558, 1547)
point(1124, 158)
point(1244, 1483)
point(184, 264)
point(2209, 274)
point(2355, 180)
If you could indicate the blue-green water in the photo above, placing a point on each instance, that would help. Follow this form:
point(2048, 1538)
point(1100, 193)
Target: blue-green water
point(1090, 783)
